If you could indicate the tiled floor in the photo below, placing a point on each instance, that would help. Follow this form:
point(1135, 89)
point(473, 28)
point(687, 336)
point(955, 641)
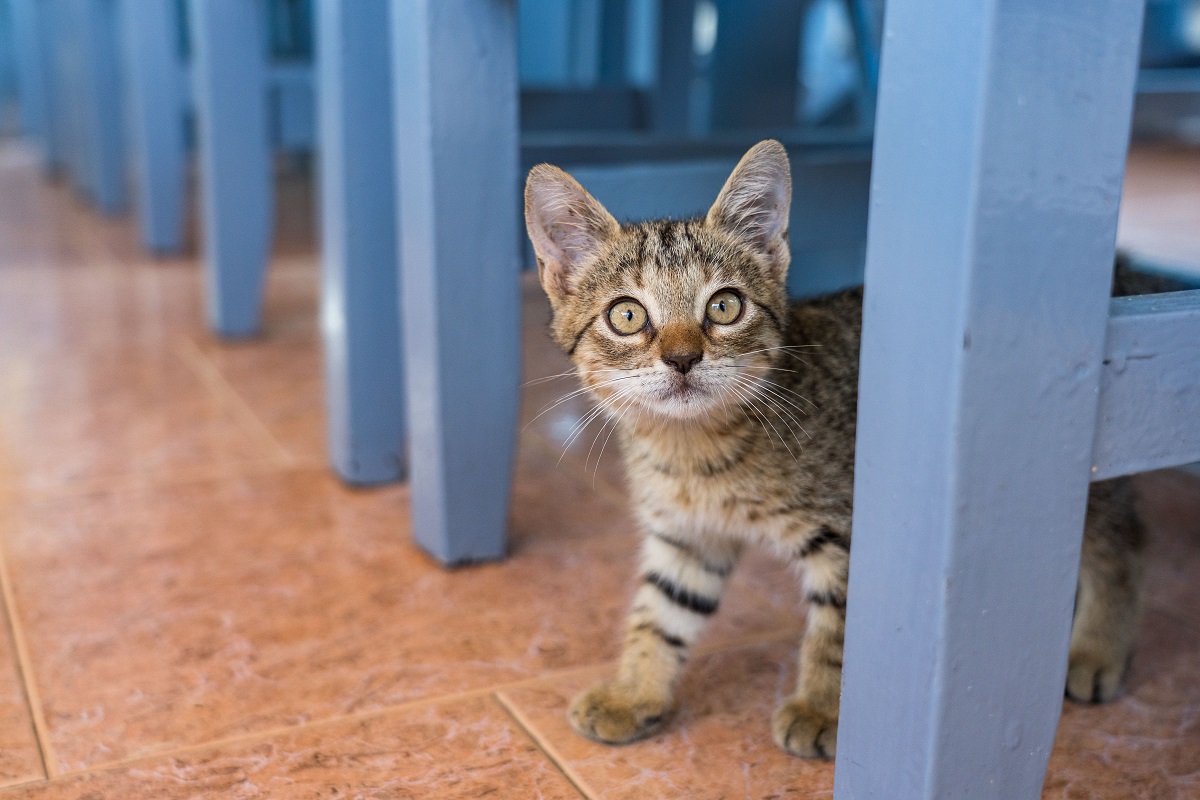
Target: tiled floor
point(196, 608)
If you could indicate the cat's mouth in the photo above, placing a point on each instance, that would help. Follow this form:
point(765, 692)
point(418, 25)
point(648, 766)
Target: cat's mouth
point(684, 397)
point(683, 390)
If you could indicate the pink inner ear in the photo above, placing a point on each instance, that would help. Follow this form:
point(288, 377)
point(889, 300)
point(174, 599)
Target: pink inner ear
point(554, 281)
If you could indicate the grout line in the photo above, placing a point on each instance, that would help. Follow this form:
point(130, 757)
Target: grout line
point(316, 725)
point(527, 728)
point(134, 481)
point(398, 709)
point(25, 670)
point(54, 774)
point(212, 377)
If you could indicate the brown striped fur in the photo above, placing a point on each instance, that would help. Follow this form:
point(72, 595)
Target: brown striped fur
point(754, 444)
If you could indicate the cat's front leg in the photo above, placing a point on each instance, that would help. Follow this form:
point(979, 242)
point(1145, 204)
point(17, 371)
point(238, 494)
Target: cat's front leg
point(807, 722)
point(1108, 601)
point(682, 580)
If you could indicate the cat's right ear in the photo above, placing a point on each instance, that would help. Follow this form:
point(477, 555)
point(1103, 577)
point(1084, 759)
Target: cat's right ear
point(568, 228)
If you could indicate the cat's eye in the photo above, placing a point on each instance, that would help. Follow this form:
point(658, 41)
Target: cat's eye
point(627, 316)
point(724, 307)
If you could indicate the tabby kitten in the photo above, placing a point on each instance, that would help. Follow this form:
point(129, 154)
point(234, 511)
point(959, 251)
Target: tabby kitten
point(737, 420)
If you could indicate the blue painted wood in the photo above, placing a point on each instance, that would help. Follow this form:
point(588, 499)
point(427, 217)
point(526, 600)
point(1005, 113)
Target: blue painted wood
point(31, 69)
point(156, 91)
point(586, 42)
point(867, 18)
point(359, 300)
point(72, 19)
point(229, 71)
point(455, 99)
point(27, 61)
point(9, 72)
point(755, 64)
point(671, 97)
point(291, 29)
point(989, 261)
point(1149, 414)
point(66, 28)
point(545, 54)
point(1165, 80)
point(47, 17)
point(292, 107)
point(561, 41)
point(97, 75)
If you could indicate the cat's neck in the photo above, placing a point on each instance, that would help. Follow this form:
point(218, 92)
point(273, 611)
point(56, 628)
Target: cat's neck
point(676, 439)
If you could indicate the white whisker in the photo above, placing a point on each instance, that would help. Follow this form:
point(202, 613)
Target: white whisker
point(782, 412)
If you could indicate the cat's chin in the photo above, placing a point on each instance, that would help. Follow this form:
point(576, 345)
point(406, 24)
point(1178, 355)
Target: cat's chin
point(686, 403)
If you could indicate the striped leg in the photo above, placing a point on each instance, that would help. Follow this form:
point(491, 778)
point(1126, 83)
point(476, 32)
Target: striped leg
point(1109, 597)
point(806, 724)
point(682, 583)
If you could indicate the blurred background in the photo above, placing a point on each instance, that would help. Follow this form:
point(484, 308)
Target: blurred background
point(207, 556)
point(604, 84)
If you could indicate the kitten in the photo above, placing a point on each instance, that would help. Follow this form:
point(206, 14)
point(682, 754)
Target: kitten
point(738, 428)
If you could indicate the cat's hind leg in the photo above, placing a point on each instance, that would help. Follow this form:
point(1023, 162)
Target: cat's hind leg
point(682, 580)
point(1109, 594)
point(806, 724)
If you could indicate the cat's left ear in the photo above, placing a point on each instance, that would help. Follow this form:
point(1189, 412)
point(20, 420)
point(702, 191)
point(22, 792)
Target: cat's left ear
point(755, 204)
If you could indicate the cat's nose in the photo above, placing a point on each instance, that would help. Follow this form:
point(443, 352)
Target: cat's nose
point(682, 362)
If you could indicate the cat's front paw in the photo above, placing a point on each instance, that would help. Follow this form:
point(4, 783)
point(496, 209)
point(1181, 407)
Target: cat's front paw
point(804, 731)
point(1094, 672)
point(614, 715)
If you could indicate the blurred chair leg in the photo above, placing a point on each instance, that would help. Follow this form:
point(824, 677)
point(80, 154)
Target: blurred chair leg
point(359, 309)
point(989, 264)
point(455, 101)
point(65, 22)
point(229, 70)
point(44, 15)
point(100, 102)
point(676, 66)
point(31, 68)
point(155, 78)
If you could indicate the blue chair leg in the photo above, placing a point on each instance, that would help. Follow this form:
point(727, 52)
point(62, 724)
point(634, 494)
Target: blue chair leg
point(155, 79)
point(45, 18)
point(100, 102)
point(31, 68)
point(229, 72)
point(455, 102)
point(989, 258)
point(65, 23)
point(359, 308)
point(671, 95)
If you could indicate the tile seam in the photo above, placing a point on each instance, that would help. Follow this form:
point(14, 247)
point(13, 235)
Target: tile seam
point(283, 730)
point(131, 481)
point(215, 381)
point(24, 665)
point(543, 746)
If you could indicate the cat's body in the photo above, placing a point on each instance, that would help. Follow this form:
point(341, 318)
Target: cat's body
point(736, 414)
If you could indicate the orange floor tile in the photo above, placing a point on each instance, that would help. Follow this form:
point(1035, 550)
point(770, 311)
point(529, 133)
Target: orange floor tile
point(196, 607)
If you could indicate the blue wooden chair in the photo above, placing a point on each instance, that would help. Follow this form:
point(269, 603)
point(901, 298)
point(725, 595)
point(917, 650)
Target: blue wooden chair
point(10, 113)
point(70, 81)
point(998, 378)
point(1169, 82)
point(32, 31)
point(459, 151)
point(111, 87)
point(252, 95)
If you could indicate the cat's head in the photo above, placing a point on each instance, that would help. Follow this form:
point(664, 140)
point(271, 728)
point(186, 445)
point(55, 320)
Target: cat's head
point(674, 318)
